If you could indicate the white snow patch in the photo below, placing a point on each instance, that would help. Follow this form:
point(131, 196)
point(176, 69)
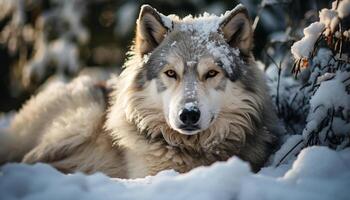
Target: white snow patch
point(330, 95)
point(5, 119)
point(190, 105)
point(303, 48)
point(344, 8)
point(126, 11)
point(323, 56)
point(6, 7)
point(173, 44)
point(223, 53)
point(61, 52)
point(318, 173)
point(191, 62)
point(330, 19)
point(288, 150)
point(205, 23)
point(332, 92)
point(167, 20)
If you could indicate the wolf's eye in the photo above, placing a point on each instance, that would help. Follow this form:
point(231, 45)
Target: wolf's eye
point(171, 74)
point(211, 74)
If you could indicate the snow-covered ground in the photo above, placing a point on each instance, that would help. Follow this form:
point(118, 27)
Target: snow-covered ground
point(317, 173)
point(296, 171)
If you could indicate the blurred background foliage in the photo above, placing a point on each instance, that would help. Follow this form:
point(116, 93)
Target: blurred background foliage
point(45, 40)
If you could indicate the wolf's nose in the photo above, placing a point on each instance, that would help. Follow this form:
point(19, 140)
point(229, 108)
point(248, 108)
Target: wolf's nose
point(189, 116)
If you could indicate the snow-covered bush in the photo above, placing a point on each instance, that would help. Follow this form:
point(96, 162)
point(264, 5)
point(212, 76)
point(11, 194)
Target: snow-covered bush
point(319, 100)
point(42, 36)
point(59, 32)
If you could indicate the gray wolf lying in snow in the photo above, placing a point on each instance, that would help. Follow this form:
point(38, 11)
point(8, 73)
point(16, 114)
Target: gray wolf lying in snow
point(190, 95)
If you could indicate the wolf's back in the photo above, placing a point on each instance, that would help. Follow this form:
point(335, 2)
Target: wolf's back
point(58, 112)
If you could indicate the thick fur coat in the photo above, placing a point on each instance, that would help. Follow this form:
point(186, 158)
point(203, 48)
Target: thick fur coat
point(135, 132)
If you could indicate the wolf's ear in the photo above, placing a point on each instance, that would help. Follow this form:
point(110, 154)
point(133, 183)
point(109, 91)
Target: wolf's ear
point(237, 29)
point(150, 30)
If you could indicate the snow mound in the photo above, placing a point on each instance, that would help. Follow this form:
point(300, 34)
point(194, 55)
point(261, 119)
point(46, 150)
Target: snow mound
point(317, 173)
point(304, 47)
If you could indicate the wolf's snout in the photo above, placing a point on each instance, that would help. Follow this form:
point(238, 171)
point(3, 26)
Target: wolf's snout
point(189, 116)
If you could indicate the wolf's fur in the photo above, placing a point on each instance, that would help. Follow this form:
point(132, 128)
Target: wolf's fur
point(140, 134)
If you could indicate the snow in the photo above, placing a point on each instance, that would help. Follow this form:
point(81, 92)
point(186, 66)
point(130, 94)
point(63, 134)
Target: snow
point(173, 44)
point(224, 54)
point(280, 36)
point(317, 173)
point(284, 89)
point(205, 23)
point(215, 7)
point(271, 2)
point(72, 12)
point(126, 11)
point(191, 90)
point(190, 105)
point(323, 57)
point(330, 19)
point(331, 97)
point(344, 8)
point(6, 7)
point(328, 24)
point(63, 52)
point(167, 20)
point(191, 63)
point(334, 87)
point(15, 6)
point(319, 107)
point(304, 47)
point(288, 150)
point(202, 26)
point(5, 119)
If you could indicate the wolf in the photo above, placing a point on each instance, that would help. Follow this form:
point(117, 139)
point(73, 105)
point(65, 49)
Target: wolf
point(190, 95)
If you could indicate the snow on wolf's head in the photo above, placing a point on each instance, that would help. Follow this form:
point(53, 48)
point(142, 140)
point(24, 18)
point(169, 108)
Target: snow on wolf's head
point(191, 78)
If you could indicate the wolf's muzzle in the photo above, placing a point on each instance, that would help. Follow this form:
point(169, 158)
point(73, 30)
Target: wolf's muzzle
point(189, 117)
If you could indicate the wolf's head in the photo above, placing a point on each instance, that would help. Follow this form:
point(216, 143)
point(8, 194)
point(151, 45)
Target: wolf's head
point(191, 79)
point(191, 61)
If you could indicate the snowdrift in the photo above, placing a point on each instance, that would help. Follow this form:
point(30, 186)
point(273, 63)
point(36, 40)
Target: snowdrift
point(317, 173)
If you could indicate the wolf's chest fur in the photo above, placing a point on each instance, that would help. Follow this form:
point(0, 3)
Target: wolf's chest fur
point(144, 157)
